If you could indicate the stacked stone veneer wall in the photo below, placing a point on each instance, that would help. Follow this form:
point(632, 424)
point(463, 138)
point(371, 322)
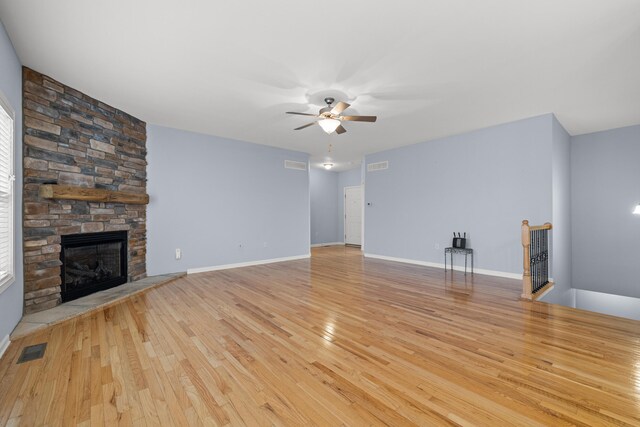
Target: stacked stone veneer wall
point(73, 139)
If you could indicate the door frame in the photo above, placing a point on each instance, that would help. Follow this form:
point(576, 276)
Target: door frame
point(344, 214)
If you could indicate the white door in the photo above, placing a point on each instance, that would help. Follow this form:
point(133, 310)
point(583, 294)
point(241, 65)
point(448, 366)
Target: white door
point(353, 215)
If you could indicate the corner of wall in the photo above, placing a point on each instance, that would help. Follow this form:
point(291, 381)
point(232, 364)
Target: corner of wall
point(561, 212)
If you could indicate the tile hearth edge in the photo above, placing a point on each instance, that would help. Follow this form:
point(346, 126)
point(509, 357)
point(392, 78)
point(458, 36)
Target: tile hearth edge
point(84, 306)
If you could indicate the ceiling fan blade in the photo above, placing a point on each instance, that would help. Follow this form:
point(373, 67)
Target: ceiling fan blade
point(306, 126)
point(301, 114)
point(359, 118)
point(339, 108)
point(340, 129)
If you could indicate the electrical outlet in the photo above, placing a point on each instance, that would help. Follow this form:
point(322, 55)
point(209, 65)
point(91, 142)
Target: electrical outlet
point(265, 244)
point(437, 246)
point(178, 253)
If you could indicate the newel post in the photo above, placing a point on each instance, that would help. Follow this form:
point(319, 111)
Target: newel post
point(526, 261)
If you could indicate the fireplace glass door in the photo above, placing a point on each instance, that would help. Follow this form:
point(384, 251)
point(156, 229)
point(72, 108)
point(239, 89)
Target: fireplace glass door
point(92, 262)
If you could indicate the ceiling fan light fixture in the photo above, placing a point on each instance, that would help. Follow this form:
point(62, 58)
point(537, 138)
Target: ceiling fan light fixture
point(330, 118)
point(329, 125)
point(636, 211)
point(328, 166)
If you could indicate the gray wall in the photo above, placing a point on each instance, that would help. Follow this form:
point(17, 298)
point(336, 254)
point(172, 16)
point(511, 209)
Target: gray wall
point(605, 184)
point(615, 305)
point(483, 182)
point(210, 195)
point(11, 300)
point(323, 186)
point(348, 178)
point(561, 234)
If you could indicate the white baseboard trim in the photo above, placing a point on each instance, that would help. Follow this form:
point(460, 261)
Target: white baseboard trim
point(317, 245)
point(4, 344)
point(439, 265)
point(246, 264)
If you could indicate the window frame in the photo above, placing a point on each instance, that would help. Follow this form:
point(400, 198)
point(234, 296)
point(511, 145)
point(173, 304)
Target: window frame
point(10, 278)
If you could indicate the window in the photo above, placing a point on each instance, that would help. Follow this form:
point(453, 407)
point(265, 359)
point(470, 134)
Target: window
point(6, 193)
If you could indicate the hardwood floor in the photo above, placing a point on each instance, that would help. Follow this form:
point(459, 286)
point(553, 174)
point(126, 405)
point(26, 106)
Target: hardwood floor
point(335, 340)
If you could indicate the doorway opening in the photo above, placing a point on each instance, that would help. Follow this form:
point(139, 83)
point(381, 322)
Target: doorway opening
point(353, 215)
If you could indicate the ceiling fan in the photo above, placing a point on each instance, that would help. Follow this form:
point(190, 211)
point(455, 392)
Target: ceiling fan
point(330, 117)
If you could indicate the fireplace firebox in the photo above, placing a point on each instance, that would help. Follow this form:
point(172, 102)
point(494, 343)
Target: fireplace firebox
point(92, 262)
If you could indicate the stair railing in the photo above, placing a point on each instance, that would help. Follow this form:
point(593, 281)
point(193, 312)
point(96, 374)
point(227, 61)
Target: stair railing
point(536, 256)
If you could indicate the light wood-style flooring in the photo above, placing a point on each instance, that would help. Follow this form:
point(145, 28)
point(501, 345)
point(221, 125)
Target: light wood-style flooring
point(334, 340)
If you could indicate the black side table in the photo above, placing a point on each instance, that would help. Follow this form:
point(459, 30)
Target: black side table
point(465, 251)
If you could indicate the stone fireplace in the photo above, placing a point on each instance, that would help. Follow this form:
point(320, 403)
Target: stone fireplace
point(84, 174)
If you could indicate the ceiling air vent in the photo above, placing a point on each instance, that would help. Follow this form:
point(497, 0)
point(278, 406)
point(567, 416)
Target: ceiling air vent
point(292, 164)
point(379, 166)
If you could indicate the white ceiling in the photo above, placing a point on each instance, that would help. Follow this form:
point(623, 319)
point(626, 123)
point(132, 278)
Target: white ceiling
point(427, 69)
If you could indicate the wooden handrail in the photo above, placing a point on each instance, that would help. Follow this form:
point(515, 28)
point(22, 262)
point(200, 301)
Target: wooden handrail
point(527, 286)
point(545, 226)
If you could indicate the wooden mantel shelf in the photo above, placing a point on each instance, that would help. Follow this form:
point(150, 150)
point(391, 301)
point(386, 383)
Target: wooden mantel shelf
point(70, 192)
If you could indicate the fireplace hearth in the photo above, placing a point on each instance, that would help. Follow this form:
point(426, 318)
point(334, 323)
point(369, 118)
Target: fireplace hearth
point(92, 262)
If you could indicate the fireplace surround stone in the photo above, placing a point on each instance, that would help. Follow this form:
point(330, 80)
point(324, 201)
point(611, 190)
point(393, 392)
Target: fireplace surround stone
point(73, 139)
